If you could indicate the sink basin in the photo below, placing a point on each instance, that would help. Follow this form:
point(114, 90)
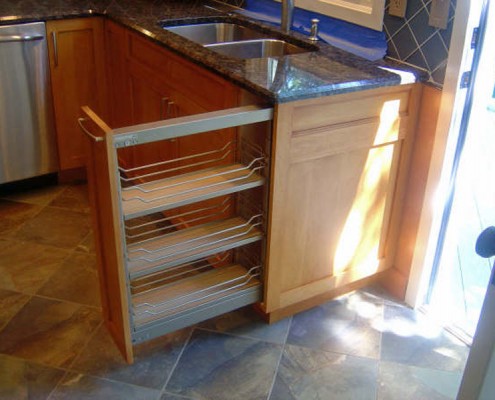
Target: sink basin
point(258, 48)
point(235, 40)
point(217, 32)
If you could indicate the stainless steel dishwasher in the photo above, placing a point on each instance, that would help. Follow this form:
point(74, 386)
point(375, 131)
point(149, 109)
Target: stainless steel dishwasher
point(27, 132)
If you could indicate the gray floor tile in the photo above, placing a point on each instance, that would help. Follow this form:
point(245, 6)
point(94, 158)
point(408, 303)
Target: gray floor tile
point(82, 387)
point(153, 363)
point(246, 322)
point(348, 325)
point(381, 295)
point(49, 332)
point(14, 214)
point(20, 379)
point(56, 227)
point(25, 266)
point(10, 304)
point(397, 381)
point(39, 196)
point(75, 280)
point(409, 337)
point(170, 396)
point(219, 366)
point(234, 356)
point(73, 197)
point(313, 374)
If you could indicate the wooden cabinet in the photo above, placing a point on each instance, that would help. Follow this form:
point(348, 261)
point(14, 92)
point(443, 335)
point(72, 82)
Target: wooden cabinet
point(148, 83)
point(150, 101)
point(77, 67)
point(339, 168)
point(119, 100)
point(331, 217)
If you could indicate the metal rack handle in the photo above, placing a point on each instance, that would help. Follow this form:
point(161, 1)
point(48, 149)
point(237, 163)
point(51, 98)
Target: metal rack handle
point(95, 138)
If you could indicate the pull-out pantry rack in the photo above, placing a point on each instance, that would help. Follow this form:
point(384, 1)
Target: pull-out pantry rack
point(179, 239)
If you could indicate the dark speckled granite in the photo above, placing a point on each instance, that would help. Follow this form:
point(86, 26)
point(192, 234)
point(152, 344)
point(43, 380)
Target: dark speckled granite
point(324, 72)
point(12, 11)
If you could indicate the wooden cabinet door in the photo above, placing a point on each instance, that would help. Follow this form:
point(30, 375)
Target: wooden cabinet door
point(119, 96)
point(150, 102)
point(108, 242)
point(201, 142)
point(76, 53)
point(339, 169)
point(147, 83)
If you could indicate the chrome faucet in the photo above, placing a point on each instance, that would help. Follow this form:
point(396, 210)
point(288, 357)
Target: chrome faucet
point(287, 15)
point(314, 30)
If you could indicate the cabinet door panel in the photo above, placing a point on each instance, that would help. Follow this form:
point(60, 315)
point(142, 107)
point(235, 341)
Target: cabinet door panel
point(120, 99)
point(142, 51)
point(108, 242)
point(161, 85)
point(335, 193)
point(77, 73)
point(341, 230)
point(149, 102)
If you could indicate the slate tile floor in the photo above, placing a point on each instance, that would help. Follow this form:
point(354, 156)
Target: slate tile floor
point(53, 344)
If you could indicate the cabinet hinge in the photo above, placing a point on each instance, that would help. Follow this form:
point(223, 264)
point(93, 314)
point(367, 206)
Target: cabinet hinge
point(475, 38)
point(465, 80)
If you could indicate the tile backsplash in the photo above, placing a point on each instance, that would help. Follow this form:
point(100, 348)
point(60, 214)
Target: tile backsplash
point(412, 41)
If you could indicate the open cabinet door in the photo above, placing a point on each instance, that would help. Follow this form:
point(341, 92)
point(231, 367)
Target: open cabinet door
point(104, 209)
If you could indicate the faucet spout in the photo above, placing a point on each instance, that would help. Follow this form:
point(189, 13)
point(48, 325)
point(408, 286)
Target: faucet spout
point(287, 15)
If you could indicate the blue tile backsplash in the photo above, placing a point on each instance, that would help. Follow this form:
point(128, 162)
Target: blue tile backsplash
point(412, 41)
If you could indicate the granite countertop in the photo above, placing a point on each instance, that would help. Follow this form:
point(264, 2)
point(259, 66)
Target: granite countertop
point(324, 72)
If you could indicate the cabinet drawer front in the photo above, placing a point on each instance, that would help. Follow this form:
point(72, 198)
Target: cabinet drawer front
point(208, 90)
point(205, 89)
point(340, 111)
point(151, 55)
point(316, 143)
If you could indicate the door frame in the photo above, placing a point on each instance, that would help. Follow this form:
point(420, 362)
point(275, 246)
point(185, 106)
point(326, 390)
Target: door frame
point(452, 102)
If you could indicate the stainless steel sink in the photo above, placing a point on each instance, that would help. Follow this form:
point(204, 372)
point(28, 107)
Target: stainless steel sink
point(217, 32)
point(236, 40)
point(258, 48)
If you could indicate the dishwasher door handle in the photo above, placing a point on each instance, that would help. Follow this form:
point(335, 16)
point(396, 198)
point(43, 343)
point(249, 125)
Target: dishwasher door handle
point(20, 38)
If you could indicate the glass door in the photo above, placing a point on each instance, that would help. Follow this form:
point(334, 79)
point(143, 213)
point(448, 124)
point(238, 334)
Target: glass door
point(459, 277)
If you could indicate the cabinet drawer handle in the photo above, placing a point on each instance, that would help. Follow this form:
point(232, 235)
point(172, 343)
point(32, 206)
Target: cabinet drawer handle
point(95, 138)
point(163, 108)
point(169, 108)
point(55, 49)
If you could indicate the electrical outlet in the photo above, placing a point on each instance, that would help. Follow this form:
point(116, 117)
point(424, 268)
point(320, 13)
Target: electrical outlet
point(397, 8)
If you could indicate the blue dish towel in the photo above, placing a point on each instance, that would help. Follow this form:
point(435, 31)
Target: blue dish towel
point(355, 39)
